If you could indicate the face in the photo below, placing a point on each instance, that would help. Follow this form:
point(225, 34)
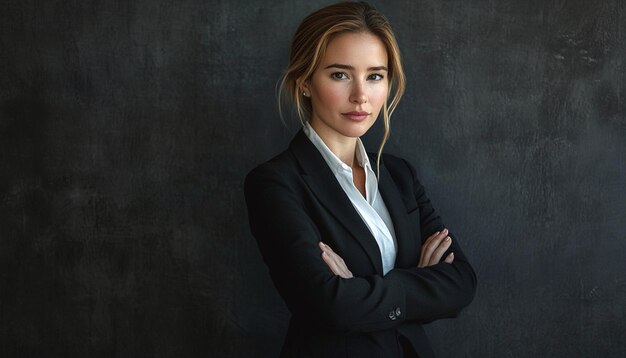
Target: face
point(349, 88)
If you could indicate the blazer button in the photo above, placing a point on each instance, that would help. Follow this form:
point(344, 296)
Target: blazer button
point(392, 315)
point(398, 312)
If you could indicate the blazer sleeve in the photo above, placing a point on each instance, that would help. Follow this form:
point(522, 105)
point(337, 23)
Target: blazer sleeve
point(441, 290)
point(288, 238)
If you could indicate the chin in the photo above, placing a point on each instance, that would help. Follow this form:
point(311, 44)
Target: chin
point(355, 130)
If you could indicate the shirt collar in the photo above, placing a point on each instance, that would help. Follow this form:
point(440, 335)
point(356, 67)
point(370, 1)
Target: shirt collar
point(331, 159)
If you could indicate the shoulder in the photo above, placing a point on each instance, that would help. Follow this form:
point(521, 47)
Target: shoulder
point(398, 167)
point(282, 167)
point(401, 171)
point(286, 163)
point(395, 163)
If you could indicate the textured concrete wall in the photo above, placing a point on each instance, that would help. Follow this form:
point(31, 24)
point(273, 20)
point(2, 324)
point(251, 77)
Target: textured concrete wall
point(126, 129)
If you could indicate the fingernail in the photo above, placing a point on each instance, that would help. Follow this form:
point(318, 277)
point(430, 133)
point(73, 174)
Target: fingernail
point(448, 239)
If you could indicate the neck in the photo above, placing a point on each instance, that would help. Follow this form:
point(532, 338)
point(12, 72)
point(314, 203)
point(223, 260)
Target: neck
point(343, 147)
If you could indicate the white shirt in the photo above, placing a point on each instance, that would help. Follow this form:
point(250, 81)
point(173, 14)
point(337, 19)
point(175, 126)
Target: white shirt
point(371, 208)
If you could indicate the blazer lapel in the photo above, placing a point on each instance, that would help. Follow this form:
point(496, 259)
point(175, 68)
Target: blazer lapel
point(322, 182)
point(398, 212)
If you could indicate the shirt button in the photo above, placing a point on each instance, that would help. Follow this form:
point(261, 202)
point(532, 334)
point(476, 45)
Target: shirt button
point(392, 315)
point(398, 312)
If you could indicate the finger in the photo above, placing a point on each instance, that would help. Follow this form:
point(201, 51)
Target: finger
point(341, 264)
point(331, 263)
point(429, 249)
point(430, 238)
point(328, 250)
point(347, 272)
point(434, 240)
point(425, 245)
point(435, 235)
point(328, 258)
point(338, 265)
point(450, 258)
point(430, 246)
point(440, 250)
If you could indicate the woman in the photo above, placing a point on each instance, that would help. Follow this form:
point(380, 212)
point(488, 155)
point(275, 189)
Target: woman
point(361, 258)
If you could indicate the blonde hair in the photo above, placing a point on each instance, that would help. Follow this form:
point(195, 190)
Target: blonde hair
point(309, 45)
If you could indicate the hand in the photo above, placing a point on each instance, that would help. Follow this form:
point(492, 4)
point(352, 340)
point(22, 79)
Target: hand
point(334, 261)
point(434, 247)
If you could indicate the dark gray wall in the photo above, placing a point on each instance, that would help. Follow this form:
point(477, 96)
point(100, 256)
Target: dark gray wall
point(126, 129)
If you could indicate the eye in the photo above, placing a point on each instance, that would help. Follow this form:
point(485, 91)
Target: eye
point(376, 76)
point(339, 75)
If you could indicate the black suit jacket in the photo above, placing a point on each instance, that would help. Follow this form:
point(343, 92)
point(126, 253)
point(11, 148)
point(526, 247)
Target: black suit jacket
point(294, 201)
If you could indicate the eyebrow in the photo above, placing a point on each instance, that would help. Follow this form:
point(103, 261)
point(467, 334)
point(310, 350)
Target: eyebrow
point(348, 67)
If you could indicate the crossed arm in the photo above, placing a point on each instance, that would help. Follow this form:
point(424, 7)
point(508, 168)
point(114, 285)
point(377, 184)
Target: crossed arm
point(289, 243)
point(430, 254)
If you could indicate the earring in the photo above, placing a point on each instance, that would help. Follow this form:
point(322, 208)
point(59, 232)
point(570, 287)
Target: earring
point(305, 94)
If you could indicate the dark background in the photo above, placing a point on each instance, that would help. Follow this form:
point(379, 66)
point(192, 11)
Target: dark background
point(126, 129)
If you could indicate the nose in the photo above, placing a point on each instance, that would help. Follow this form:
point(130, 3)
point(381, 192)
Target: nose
point(358, 95)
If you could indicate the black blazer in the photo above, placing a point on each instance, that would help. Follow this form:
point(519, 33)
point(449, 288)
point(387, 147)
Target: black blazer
point(294, 201)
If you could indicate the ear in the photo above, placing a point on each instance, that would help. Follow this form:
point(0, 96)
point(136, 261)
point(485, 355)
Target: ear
point(304, 87)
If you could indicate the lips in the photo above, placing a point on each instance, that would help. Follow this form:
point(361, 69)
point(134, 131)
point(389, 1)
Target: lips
point(356, 116)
